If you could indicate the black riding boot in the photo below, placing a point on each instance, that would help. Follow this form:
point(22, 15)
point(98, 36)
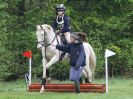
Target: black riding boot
point(81, 80)
point(77, 87)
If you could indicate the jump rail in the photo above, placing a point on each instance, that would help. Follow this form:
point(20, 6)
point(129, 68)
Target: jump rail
point(96, 88)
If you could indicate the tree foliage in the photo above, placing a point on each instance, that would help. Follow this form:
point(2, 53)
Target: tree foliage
point(108, 24)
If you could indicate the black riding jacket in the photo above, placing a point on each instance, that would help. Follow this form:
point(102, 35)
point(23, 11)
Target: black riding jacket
point(62, 24)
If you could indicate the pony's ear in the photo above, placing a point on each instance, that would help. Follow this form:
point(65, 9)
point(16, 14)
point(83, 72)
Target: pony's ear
point(37, 26)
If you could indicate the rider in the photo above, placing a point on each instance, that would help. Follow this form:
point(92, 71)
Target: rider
point(62, 22)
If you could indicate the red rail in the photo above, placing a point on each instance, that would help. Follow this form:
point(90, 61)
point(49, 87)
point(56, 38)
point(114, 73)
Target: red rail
point(68, 87)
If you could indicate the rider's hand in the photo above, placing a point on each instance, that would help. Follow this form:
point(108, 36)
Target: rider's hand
point(58, 32)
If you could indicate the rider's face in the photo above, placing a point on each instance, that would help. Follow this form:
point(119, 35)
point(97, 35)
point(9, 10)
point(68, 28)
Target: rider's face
point(60, 13)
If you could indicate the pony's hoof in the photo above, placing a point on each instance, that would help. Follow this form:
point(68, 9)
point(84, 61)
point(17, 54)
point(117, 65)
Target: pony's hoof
point(42, 91)
point(48, 80)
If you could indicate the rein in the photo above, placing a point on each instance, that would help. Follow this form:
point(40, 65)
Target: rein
point(44, 44)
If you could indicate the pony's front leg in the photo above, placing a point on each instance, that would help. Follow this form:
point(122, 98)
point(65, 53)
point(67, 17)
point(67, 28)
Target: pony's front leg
point(44, 76)
point(52, 61)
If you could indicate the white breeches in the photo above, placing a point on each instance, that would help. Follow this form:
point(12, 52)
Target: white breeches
point(67, 36)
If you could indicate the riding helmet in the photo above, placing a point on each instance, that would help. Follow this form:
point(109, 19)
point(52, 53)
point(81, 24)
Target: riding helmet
point(60, 7)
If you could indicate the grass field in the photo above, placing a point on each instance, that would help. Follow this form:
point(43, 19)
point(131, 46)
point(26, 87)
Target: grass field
point(118, 89)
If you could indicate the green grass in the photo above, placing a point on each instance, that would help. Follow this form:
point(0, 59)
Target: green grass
point(118, 89)
point(131, 0)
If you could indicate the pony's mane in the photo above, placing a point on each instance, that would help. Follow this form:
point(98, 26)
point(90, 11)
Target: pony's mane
point(47, 26)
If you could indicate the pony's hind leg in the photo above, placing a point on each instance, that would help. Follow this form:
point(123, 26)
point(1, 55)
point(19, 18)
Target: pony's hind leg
point(84, 76)
point(88, 78)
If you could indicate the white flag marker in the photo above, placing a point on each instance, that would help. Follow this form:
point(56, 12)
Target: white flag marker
point(108, 53)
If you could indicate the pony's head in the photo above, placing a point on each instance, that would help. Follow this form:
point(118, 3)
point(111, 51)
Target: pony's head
point(43, 32)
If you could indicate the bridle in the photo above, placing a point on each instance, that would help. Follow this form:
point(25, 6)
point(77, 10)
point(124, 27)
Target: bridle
point(44, 42)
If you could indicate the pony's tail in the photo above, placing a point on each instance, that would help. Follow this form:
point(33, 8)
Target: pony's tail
point(92, 59)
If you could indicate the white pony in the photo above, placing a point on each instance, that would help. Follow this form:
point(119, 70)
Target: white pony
point(45, 36)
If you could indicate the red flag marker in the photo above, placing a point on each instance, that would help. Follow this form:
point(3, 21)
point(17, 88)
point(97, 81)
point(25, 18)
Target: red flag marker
point(28, 54)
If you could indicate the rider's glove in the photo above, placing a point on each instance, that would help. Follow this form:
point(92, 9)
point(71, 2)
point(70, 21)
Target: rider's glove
point(58, 32)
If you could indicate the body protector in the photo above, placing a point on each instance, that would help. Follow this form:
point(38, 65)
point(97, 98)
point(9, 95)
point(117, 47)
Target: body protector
point(62, 23)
